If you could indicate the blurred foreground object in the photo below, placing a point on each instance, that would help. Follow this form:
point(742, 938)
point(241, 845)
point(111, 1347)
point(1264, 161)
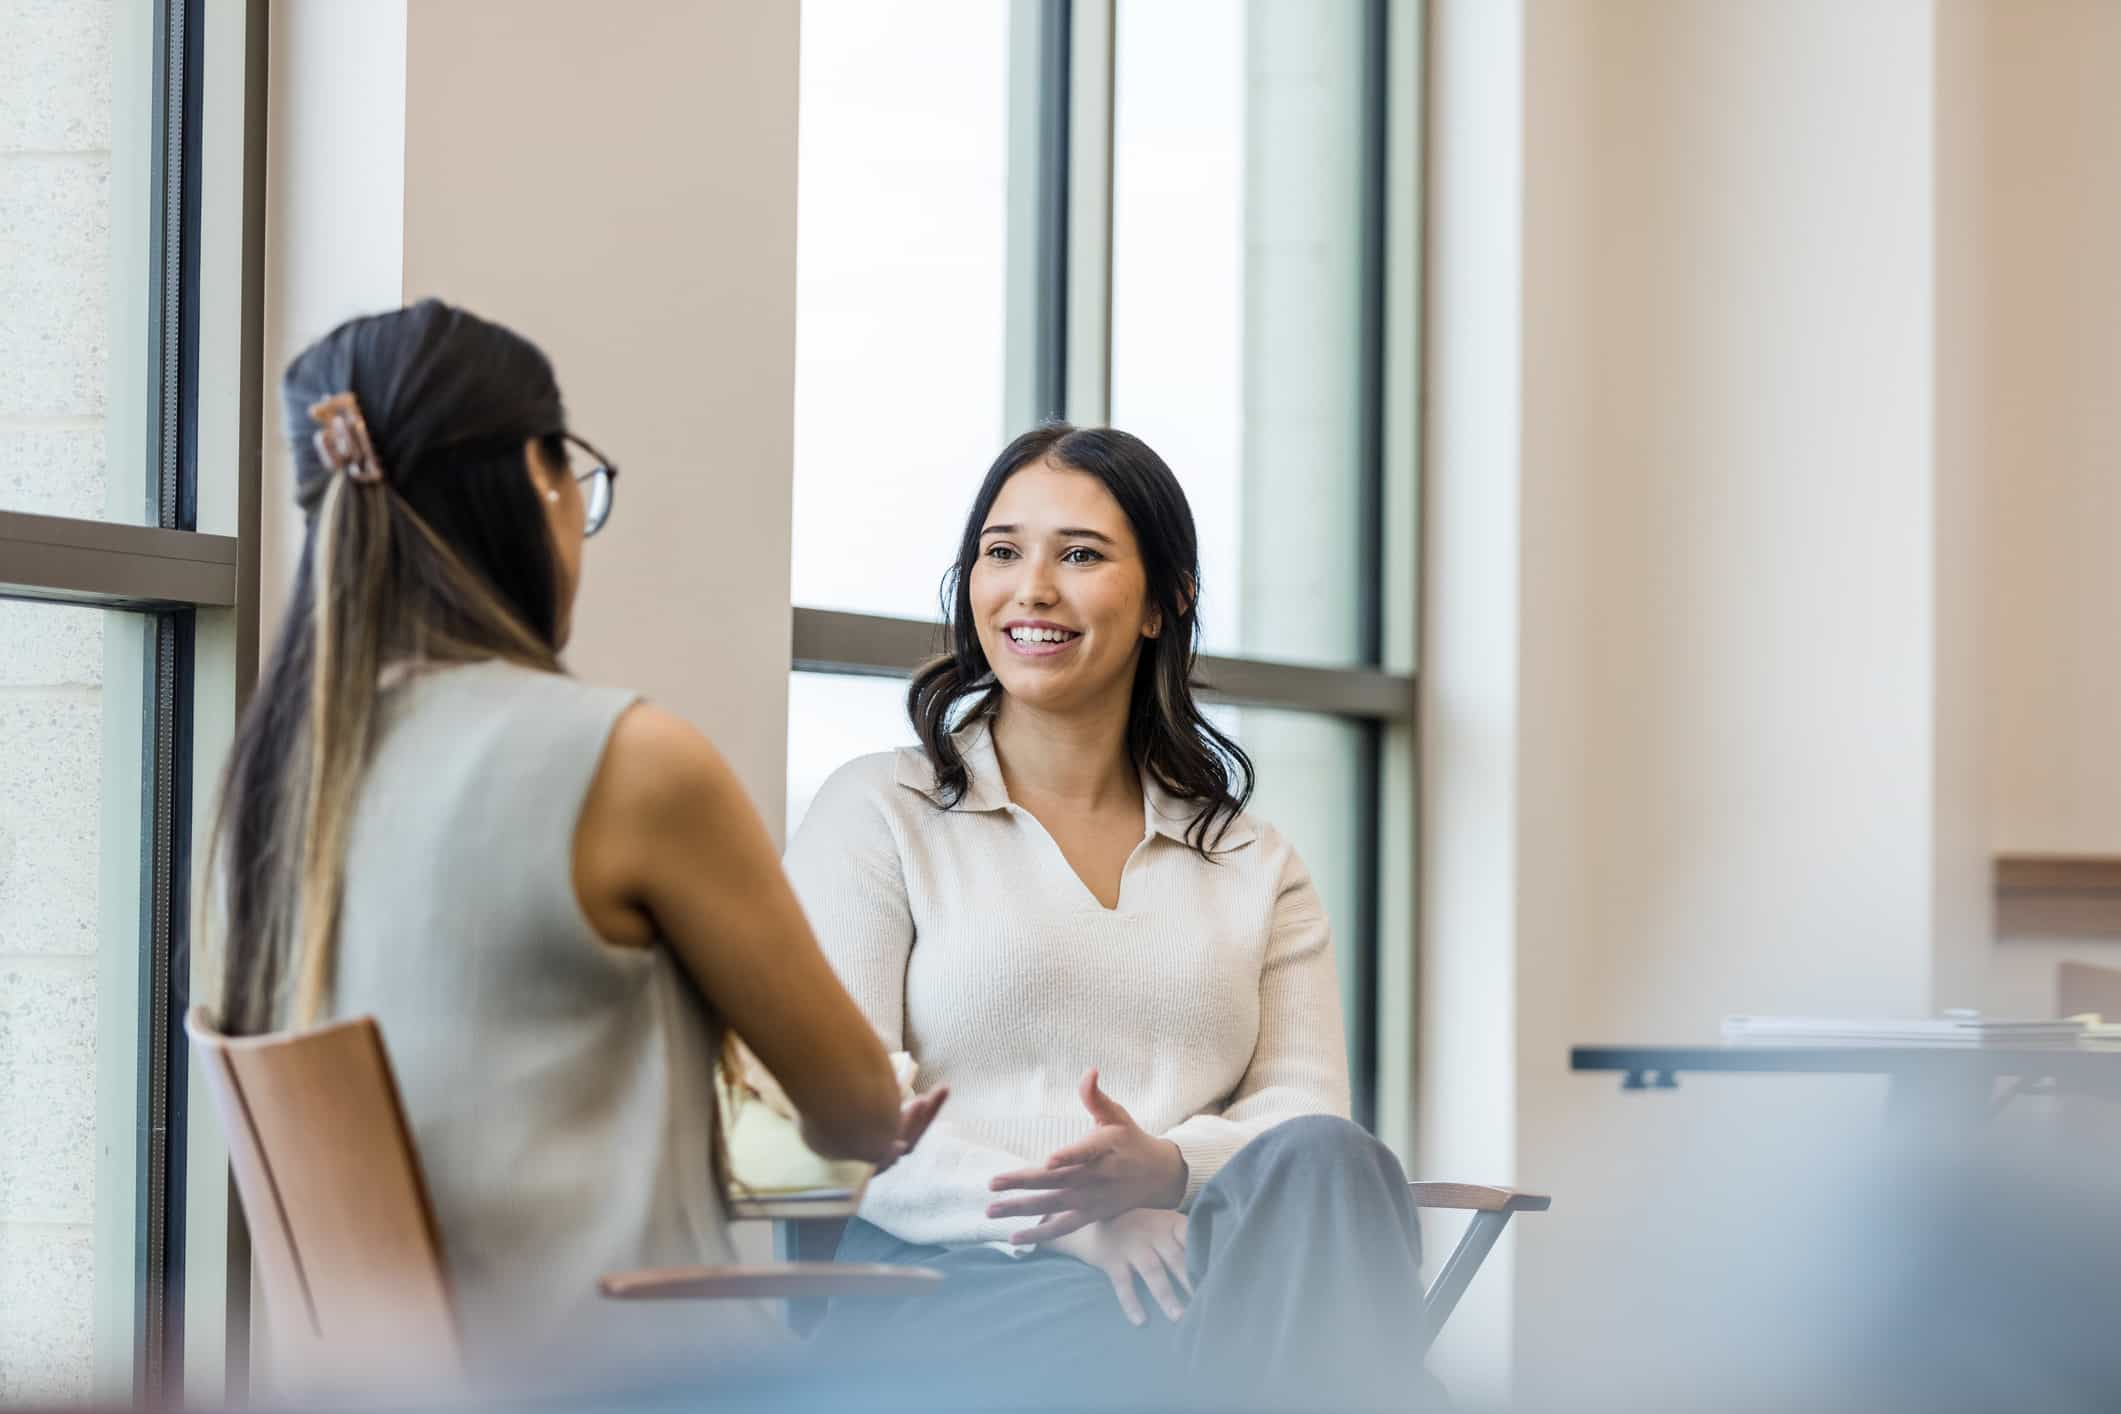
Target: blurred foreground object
point(1931, 1273)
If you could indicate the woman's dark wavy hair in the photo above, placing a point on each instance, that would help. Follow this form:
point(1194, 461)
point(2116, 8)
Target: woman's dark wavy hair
point(1169, 738)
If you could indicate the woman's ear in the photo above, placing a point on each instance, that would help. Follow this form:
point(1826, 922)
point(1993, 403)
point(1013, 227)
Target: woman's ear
point(544, 477)
point(1153, 623)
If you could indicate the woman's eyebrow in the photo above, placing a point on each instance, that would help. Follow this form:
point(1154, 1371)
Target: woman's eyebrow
point(1066, 532)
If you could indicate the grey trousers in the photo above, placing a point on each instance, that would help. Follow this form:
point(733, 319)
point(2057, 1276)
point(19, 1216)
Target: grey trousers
point(1304, 1257)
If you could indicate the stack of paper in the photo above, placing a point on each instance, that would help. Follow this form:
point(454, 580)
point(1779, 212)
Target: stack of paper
point(1976, 1030)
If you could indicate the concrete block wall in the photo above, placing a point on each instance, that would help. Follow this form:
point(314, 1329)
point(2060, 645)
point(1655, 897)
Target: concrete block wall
point(55, 209)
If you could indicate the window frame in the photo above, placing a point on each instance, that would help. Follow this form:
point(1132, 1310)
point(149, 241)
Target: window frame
point(169, 1324)
point(1059, 233)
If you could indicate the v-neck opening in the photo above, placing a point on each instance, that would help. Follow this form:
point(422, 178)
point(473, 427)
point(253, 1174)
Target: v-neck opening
point(1089, 894)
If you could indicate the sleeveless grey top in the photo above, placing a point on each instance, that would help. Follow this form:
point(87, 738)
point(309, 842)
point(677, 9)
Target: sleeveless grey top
point(559, 1088)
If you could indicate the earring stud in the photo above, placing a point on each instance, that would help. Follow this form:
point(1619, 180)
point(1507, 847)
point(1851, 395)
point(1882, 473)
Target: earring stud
point(553, 496)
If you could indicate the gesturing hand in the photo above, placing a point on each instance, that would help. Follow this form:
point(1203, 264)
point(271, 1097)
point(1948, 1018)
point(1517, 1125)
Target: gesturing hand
point(1149, 1243)
point(1118, 1168)
point(914, 1117)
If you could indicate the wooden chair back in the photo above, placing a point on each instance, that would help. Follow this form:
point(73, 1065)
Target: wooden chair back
point(343, 1239)
point(2082, 987)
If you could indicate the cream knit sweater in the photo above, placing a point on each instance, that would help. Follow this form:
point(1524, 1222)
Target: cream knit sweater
point(1209, 998)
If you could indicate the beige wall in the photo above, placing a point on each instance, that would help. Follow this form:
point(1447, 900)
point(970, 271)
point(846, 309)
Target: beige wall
point(2045, 310)
point(617, 181)
point(1697, 683)
point(2042, 315)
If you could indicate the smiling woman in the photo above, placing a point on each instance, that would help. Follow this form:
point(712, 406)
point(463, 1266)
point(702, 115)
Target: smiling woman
point(1074, 600)
point(1060, 906)
point(1023, 565)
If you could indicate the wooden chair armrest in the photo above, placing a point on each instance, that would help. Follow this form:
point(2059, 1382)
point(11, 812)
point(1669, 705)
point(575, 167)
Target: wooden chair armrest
point(789, 1281)
point(1478, 1197)
point(794, 1210)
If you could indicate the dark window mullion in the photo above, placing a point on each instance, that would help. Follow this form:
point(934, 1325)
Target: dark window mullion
point(171, 477)
point(1368, 936)
point(1376, 119)
point(1055, 80)
point(159, 1114)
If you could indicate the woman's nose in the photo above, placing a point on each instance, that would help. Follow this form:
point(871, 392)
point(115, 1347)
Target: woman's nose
point(1036, 585)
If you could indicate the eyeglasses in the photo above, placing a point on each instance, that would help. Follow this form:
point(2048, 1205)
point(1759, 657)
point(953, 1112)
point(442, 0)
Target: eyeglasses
point(596, 486)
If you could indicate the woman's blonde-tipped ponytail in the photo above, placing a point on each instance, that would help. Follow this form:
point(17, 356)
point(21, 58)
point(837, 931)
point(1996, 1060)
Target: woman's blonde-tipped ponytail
point(348, 617)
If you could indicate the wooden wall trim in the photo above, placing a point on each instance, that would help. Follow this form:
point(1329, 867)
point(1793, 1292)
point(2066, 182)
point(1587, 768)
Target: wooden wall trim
point(2058, 896)
point(2058, 873)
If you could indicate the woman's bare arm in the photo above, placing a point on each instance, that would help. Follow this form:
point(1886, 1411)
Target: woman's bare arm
point(669, 846)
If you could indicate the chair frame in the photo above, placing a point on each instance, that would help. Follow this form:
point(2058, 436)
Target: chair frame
point(805, 1232)
point(805, 1239)
point(259, 1153)
point(1492, 1209)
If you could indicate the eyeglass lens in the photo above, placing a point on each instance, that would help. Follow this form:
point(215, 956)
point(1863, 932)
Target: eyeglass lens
point(597, 491)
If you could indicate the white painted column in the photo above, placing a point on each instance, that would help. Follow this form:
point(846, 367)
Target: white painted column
point(1471, 470)
point(334, 219)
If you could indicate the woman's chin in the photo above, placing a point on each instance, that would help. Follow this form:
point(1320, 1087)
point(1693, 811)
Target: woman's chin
point(1032, 689)
point(1058, 692)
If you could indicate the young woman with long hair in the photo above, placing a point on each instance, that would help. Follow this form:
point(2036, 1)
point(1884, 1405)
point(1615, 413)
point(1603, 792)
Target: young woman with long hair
point(555, 898)
point(1060, 905)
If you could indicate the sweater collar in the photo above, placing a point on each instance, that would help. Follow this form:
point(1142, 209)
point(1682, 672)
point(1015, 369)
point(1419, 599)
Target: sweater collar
point(1162, 812)
point(1172, 816)
point(983, 772)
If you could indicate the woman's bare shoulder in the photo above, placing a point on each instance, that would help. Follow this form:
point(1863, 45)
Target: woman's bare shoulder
point(657, 765)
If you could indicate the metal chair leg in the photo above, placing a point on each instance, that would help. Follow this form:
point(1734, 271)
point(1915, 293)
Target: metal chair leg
point(805, 1240)
point(1457, 1274)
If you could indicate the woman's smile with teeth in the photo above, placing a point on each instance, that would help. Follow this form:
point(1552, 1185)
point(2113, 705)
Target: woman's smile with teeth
point(1025, 634)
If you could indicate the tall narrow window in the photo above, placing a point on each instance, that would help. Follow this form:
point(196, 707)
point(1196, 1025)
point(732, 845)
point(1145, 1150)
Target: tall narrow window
point(1239, 308)
point(1240, 331)
point(900, 295)
point(899, 292)
point(71, 725)
point(106, 594)
point(72, 722)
